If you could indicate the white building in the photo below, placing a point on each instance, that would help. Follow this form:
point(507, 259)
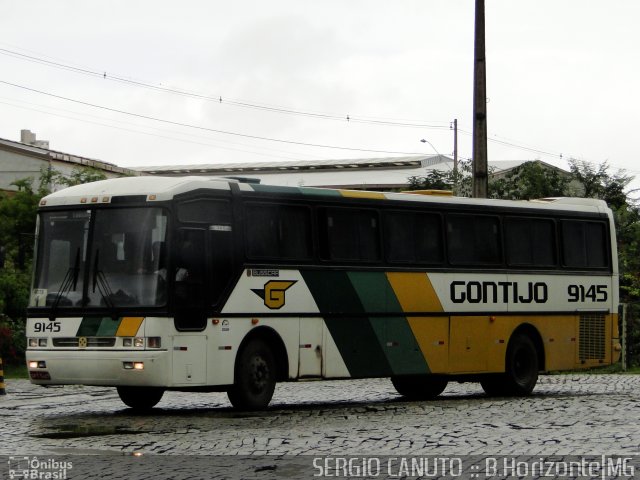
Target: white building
point(29, 157)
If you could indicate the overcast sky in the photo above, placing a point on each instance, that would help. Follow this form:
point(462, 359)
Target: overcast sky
point(562, 79)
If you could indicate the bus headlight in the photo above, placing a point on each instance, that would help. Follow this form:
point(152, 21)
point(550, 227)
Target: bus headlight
point(133, 365)
point(33, 342)
point(138, 342)
point(42, 342)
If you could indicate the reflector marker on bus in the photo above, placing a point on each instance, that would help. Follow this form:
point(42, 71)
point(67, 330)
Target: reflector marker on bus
point(306, 345)
point(180, 349)
point(225, 347)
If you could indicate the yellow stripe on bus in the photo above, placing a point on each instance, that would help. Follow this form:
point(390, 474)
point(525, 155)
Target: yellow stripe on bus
point(129, 326)
point(362, 194)
point(415, 292)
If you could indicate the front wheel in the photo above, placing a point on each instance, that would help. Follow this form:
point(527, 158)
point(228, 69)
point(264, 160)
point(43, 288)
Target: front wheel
point(140, 398)
point(420, 387)
point(255, 377)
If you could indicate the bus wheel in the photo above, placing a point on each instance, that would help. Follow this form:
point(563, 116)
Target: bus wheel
point(421, 387)
point(255, 377)
point(521, 367)
point(494, 385)
point(140, 398)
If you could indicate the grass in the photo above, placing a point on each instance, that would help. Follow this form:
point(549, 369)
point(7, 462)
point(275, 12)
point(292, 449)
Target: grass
point(615, 368)
point(15, 371)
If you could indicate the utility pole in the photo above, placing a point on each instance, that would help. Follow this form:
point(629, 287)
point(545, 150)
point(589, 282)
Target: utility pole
point(455, 145)
point(455, 156)
point(480, 162)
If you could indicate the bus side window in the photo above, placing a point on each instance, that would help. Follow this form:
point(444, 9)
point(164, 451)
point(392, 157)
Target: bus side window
point(349, 234)
point(413, 238)
point(216, 256)
point(530, 242)
point(473, 240)
point(189, 276)
point(584, 244)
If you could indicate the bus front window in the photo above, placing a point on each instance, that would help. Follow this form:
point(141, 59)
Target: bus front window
point(60, 257)
point(102, 258)
point(128, 261)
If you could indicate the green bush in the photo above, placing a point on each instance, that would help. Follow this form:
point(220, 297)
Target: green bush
point(12, 341)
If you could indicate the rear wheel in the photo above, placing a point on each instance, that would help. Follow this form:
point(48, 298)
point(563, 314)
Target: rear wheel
point(140, 398)
point(521, 370)
point(420, 387)
point(255, 377)
point(521, 365)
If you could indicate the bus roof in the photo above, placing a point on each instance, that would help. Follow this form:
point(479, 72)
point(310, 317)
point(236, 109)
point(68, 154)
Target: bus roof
point(157, 188)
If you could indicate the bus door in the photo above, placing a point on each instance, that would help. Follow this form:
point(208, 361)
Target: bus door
point(190, 350)
point(203, 261)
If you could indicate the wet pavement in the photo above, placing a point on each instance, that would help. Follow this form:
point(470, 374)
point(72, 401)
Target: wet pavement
point(567, 415)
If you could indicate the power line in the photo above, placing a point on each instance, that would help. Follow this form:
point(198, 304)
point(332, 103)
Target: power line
point(219, 99)
point(166, 137)
point(207, 129)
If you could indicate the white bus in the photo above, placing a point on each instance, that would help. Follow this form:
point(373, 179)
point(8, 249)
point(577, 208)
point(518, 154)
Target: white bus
point(151, 284)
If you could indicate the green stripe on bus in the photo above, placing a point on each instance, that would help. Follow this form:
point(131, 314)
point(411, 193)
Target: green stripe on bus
point(394, 333)
point(354, 336)
point(108, 327)
point(98, 327)
point(274, 189)
point(89, 327)
point(320, 192)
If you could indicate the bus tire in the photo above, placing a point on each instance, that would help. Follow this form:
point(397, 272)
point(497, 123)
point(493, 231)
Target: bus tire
point(140, 398)
point(521, 366)
point(255, 377)
point(521, 370)
point(420, 387)
point(494, 385)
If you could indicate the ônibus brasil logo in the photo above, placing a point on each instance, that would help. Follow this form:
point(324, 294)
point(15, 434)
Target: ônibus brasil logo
point(273, 293)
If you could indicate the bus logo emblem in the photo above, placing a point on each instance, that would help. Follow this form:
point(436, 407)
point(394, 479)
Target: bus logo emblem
point(82, 342)
point(273, 293)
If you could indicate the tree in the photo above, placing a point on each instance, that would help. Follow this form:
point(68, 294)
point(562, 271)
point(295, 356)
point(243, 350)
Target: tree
point(529, 181)
point(599, 183)
point(18, 212)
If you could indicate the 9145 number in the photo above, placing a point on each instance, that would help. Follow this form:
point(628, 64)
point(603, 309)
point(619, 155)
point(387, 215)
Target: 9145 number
point(593, 293)
point(42, 327)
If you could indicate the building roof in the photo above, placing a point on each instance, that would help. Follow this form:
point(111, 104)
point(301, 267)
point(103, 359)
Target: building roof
point(364, 173)
point(49, 155)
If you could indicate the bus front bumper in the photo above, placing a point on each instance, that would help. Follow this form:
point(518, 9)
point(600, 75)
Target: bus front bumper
point(117, 368)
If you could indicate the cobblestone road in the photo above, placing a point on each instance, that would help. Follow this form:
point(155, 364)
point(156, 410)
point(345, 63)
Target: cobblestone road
point(567, 415)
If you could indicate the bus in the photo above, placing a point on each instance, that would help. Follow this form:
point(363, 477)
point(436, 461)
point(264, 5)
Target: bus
point(151, 284)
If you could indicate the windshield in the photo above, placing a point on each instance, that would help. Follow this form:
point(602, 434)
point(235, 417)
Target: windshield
point(101, 258)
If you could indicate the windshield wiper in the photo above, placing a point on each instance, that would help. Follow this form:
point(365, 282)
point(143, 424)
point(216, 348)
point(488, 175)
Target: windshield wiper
point(100, 281)
point(70, 280)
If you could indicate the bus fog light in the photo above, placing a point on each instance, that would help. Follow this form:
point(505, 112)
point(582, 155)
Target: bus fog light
point(138, 366)
point(127, 365)
point(33, 364)
point(153, 342)
point(42, 364)
point(127, 342)
point(138, 342)
point(33, 342)
point(42, 342)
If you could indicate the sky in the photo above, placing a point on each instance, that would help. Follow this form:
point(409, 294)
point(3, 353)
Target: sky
point(143, 83)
